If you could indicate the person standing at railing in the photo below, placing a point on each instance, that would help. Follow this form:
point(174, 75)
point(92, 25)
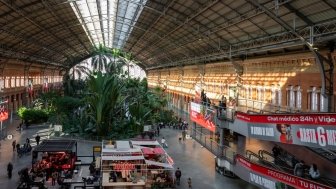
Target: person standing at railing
point(314, 173)
point(299, 169)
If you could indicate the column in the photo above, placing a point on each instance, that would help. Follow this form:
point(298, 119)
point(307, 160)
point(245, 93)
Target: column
point(241, 144)
point(193, 130)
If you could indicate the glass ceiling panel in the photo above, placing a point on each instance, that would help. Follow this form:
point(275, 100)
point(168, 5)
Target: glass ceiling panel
point(103, 23)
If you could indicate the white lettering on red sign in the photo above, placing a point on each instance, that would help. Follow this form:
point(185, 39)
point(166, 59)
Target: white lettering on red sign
point(262, 181)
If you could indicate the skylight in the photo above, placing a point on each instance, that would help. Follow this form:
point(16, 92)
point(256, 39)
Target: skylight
point(106, 25)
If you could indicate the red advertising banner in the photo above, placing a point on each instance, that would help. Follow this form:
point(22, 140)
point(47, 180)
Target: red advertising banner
point(302, 119)
point(202, 115)
point(314, 130)
point(264, 176)
point(3, 115)
point(3, 110)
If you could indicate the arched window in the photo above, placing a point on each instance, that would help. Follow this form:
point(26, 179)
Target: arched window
point(298, 97)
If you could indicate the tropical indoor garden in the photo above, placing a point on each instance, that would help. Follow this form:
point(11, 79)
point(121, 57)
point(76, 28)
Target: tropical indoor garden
point(101, 99)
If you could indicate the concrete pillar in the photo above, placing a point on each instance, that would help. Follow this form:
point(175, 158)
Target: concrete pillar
point(221, 136)
point(241, 144)
point(221, 141)
point(194, 130)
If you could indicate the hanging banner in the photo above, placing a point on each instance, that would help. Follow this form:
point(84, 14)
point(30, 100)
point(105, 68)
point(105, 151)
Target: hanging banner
point(268, 178)
point(45, 85)
point(3, 110)
point(313, 130)
point(30, 87)
point(203, 115)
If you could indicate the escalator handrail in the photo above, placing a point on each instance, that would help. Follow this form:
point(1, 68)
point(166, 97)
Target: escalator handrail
point(261, 154)
point(252, 162)
point(248, 154)
point(326, 150)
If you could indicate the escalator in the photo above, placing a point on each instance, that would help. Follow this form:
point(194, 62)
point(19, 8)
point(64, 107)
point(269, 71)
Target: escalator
point(328, 154)
point(286, 166)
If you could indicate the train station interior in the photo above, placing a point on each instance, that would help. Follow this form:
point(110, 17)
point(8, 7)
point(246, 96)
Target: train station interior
point(251, 82)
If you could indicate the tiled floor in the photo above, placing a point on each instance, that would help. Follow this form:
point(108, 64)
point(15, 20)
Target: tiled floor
point(198, 163)
point(194, 161)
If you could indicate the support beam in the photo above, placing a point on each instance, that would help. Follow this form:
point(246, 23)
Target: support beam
point(299, 14)
point(326, 65)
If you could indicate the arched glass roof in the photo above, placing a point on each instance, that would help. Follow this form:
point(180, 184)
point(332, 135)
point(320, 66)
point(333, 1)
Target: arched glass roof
point(162, 33)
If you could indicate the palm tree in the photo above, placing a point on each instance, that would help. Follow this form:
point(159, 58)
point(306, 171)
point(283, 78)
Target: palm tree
point(101, 57)
point(79, 70)
point(102, 101)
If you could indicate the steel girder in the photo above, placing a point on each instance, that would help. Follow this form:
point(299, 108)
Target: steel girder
point(100, 20)
point(326, 66)
point(322, 32)
point(11, 5)
point(59, 20)
point(232, 22)
point(82, 21)
point(209, 4)
point(151, 26)
point(10, 53)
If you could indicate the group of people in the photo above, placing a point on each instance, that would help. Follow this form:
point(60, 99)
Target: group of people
point(300, 168)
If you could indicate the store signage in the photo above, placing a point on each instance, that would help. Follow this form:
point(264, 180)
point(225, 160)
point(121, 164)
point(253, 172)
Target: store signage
point(314, 130)
point(202, 115)
point(3, 110)
point(272, 179)
point(126, 166)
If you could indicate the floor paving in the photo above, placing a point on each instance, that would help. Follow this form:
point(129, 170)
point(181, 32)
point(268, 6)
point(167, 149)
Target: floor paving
point(195, 161)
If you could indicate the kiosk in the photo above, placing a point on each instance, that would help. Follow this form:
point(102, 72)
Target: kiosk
point(135, 164)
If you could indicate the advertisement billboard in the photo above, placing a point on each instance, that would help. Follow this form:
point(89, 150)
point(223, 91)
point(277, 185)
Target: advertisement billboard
point(314, 130)
point(268, 178)
point(203, 115)
point(3, 110)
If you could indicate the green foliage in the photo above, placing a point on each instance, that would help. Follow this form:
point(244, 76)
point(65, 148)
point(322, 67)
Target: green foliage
point(67, 104)
point(115, 106)
point(104, 90)
point(33, 115)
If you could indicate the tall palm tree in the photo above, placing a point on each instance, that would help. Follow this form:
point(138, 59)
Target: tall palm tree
point(101, 57)
point(104, 96)
point(79, 70)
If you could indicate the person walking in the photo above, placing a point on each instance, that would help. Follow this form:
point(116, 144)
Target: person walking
point(27, 140)
point(163, 143)
point(37, 139)
point(9, 170)
point(14, 145)
point(54, 177)
point(158, 130)
point(184, 133)
point(178, 175)
point(189, 183)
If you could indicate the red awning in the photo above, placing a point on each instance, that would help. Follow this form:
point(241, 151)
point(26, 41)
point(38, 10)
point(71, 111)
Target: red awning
point(151, 151)
point(159, 151)
point(148, 151)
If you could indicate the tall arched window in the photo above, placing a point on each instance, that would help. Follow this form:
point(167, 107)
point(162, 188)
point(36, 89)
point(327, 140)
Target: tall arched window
point(290, 96)
point(273, 95)
point(279, 95)
point(298, 97)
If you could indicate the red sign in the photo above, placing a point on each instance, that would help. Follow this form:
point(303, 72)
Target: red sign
point(126, 166)
point(283, 177)
point(300, 119)
point(202, 115)
point(3, 115)
point(3, 111)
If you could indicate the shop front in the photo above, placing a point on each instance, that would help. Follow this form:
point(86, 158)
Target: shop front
point(135, 165)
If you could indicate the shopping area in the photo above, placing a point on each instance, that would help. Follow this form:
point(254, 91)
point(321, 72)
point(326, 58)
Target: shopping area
point(263, 148)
